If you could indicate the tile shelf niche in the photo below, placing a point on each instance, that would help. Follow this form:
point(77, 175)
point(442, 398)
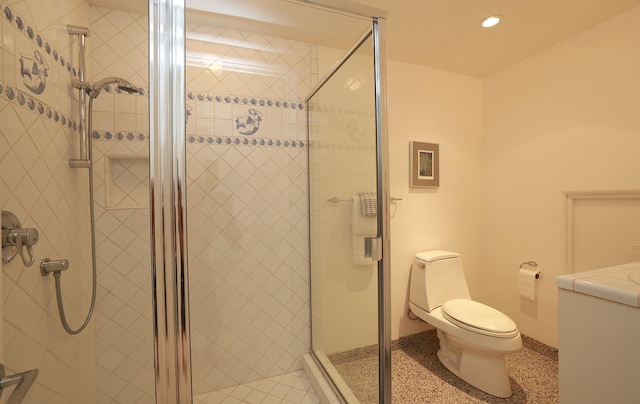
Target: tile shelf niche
point(126, 182)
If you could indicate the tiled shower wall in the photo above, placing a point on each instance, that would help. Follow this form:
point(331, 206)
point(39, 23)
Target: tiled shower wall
point(124, 334)
point(247, 206)
point(38, 135)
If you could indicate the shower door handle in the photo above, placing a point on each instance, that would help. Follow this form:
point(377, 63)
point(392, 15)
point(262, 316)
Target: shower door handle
point(373, 248)
point(22, 381)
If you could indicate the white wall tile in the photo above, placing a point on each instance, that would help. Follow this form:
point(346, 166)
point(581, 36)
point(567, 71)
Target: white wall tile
point(235, 192)
point(125, 271)
point(51, 198)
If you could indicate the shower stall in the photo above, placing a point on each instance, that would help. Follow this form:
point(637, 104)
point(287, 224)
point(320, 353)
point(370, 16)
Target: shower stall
point(224, 191)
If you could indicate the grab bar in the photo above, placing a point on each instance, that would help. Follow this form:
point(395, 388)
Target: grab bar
point(22, 381)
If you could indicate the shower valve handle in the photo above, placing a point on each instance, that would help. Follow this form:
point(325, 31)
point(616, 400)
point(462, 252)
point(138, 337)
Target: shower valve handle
point(15, 240)
point(22, 239)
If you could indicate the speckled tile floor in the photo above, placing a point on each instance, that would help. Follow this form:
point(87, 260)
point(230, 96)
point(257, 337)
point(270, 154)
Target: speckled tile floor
point(419, 377)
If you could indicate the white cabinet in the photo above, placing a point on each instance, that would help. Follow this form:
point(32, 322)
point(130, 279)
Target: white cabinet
point(599, 341)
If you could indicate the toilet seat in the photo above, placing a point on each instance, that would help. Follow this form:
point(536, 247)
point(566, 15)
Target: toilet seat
point(479, 318)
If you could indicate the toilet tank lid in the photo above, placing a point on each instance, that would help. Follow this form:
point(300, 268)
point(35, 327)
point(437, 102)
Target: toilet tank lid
point(436, 255)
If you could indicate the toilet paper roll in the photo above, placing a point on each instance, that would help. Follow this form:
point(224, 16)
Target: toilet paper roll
point(527, 283)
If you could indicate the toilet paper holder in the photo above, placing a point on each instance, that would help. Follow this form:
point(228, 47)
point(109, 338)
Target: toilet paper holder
point(531, 264)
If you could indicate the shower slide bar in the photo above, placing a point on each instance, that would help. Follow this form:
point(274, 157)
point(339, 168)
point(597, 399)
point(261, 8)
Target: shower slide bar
point(85, 155)
point(335, 199)
point(22, 381)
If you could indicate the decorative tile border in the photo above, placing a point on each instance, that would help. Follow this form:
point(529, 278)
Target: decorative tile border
point(45, 51)
point(229, 140)
point(242, 116)
point(341, 146)
point(207, 140)
point(340, 110)
point(32, 104)
point(120, 136)
point(34, 71)
point(230, 99)
point(26, 29)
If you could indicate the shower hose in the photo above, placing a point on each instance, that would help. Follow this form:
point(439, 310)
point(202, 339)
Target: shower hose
point(57, 274)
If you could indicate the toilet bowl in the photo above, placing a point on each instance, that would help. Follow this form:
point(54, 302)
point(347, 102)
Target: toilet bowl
point(474, 338)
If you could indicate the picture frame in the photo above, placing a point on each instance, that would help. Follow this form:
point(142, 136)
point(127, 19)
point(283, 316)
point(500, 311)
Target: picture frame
point(424, 164)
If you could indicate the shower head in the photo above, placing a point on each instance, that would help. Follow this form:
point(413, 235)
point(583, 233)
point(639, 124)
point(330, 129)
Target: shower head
point(124, 85)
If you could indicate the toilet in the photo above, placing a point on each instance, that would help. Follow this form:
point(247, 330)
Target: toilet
point(474, 338)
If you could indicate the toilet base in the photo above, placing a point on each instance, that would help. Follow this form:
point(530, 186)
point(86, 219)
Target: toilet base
point(486, 371)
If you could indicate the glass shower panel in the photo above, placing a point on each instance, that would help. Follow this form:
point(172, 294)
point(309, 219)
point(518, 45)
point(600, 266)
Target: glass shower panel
point(250, 69)
point(247, 203)
point(342, 172)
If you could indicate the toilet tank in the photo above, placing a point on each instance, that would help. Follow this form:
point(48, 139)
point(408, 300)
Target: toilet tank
point(437, 276)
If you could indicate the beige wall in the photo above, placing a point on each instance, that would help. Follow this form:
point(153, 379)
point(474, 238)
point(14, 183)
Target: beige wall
point(433, 106)
point(565, 119)
point(511, 145)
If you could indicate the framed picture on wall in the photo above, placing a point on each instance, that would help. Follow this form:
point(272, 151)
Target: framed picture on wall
point(424, 164)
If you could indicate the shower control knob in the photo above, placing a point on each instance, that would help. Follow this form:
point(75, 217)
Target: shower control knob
point(15, 240)
point(24, 237)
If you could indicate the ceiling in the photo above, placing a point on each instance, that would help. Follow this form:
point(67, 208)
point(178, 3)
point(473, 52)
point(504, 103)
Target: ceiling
point(443, 34)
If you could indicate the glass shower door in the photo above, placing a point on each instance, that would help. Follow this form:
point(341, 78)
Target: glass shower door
point(344, 225)
point(239, 313)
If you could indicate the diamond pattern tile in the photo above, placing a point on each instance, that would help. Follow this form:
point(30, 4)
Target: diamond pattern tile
point(127, 182)
point(248, 277)
point(251, 291)
point(124, 337)
point(293, 388)
point(37, 185)
point(260, 66)
point(31, 188)
point(247, 235)
point(119, 45)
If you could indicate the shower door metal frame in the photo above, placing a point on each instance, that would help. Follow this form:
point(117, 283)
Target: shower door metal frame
point(384, 202)
point(167, 183)
point(167, 188)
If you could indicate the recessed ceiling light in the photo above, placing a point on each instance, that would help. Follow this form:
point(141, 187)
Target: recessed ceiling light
point(491, 21)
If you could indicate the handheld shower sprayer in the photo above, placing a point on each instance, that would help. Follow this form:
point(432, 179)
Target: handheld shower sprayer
point(94, 89)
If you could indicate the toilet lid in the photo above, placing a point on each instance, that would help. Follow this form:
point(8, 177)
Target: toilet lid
point(436, 255)
point(480, 318)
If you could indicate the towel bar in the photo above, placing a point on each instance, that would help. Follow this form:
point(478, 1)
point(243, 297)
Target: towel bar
point(335, 199)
